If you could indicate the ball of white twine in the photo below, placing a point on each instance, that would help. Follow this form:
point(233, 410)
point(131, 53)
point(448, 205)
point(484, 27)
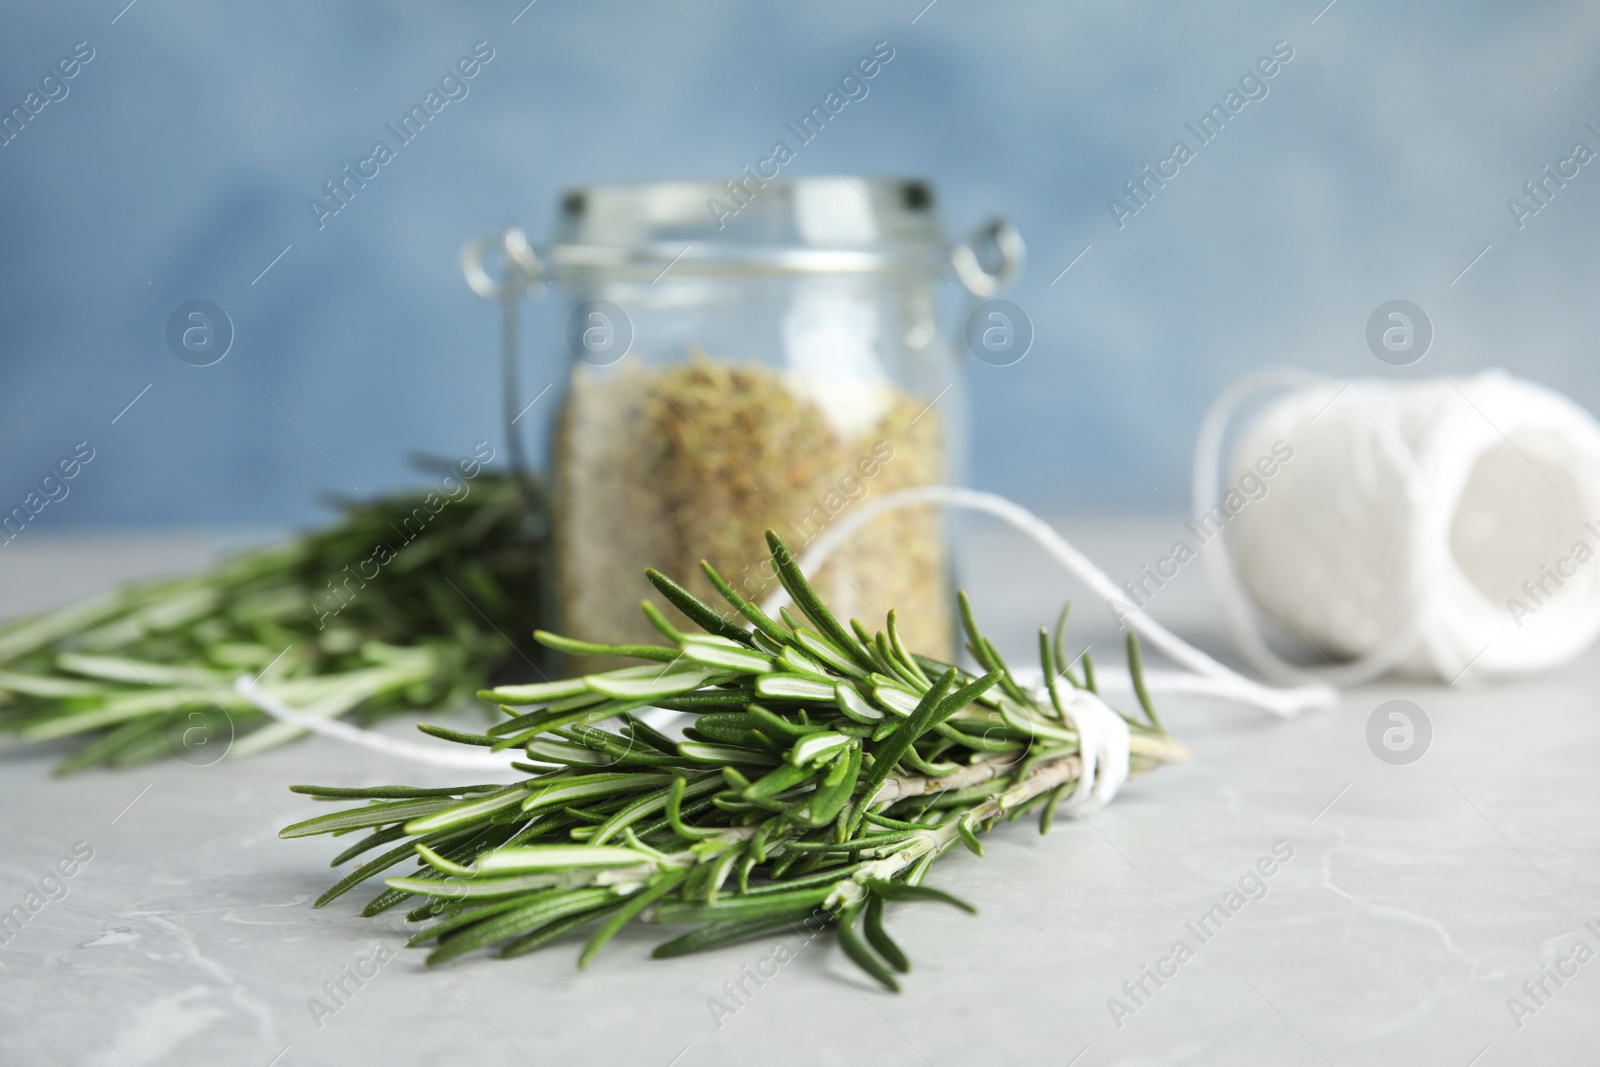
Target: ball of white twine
point(1433, 528)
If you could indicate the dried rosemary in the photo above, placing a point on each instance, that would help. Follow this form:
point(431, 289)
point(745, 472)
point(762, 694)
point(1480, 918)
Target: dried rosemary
point(825, 771)
point(404, 602)
point(664, 466)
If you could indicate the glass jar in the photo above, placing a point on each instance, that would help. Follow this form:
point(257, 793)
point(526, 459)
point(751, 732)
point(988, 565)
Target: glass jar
point(750, 358)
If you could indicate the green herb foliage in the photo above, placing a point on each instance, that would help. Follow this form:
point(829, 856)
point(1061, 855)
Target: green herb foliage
point(404, 602)
point(823, 775)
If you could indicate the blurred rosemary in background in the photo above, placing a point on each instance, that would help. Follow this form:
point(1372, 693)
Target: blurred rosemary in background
point(413, 600)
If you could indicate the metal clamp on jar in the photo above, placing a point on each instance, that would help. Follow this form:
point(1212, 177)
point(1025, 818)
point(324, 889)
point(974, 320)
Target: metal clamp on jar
point(748, 361)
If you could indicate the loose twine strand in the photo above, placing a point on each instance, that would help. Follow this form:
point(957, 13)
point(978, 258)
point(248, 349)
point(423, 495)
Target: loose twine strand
point(1105, 748)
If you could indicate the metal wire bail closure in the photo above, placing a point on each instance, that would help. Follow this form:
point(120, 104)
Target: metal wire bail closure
point(521, 264)
point(1011, 251)
point(522, 274)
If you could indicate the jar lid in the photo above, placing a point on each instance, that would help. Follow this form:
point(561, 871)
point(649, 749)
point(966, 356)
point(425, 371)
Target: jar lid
point(750, 224)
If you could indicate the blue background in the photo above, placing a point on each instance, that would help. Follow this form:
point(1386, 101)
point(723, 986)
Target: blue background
point(1378, 167)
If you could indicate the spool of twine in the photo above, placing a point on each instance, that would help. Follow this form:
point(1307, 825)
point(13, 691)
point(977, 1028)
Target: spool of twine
point(1439, 529)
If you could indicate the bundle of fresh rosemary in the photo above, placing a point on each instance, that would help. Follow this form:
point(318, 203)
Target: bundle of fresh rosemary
point(404, 602)
point(826, 769)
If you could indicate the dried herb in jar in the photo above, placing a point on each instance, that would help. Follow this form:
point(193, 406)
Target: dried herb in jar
point(671, 465)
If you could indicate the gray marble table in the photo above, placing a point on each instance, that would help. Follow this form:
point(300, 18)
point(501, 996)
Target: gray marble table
point(1409, 909)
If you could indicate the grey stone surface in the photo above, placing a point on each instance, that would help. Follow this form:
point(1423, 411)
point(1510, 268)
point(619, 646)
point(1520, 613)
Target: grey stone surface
point(1417, 900)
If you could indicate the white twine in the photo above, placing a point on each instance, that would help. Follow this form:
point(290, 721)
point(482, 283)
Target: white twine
point(1102, 746)
point(1208, 677)
point(1385, 542)
point(259, 698)
point(1417, 528)
point(1103, 734)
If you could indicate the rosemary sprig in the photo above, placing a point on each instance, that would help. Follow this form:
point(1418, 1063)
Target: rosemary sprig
point(330, 621)
point(823, 775)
